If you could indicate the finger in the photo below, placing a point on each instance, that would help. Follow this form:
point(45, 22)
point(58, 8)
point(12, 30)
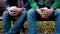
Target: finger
point(44, 16)
point(11, 10)
point(39, 11)
point(47, 15)
point(12, 13)
point(43, 13)
point(42, 9)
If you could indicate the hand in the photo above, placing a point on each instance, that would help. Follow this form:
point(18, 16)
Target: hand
point(48, 12)
point(42, 12)
point(20, 9)
point(12, 11)
point(39, 11)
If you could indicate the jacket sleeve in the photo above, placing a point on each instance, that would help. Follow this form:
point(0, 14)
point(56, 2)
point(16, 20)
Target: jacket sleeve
point(33, 4)
point(56, 4)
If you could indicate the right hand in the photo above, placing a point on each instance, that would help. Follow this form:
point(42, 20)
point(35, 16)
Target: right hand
point(42, 13)
point(20, 9)
point(12, 11)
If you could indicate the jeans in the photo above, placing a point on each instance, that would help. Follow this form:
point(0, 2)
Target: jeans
point(32, 18)
point(17, 24)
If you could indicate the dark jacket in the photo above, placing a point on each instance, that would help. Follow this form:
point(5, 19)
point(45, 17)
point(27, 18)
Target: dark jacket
point(51, 3)
point(10, 3)
point(46, 3)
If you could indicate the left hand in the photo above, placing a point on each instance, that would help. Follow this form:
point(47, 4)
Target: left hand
point(15, 11)
point(48, 12)
point(19, 10)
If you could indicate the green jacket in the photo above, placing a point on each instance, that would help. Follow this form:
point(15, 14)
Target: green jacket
point(34, 5)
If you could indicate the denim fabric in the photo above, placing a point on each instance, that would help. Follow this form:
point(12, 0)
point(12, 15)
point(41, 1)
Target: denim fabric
point(16, 26)
point(32, 17)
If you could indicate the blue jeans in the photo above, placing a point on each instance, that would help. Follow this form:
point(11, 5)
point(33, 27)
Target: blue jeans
point(16, 26)
point(32, 17)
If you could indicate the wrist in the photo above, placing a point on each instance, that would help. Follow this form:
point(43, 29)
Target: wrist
point(52, 9)
point(37, 9)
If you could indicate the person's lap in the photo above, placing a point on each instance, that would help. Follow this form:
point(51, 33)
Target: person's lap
point(53, 15)
point(33, 15)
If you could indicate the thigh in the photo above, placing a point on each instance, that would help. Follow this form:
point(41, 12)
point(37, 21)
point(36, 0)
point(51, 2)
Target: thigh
point(57, 12)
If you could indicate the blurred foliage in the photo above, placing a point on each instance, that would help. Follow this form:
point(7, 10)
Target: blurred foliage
point(42, 26)
point(0, 23)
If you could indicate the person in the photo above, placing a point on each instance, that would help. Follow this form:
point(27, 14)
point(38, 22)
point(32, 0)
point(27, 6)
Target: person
point(43, 9)
point(14, 9)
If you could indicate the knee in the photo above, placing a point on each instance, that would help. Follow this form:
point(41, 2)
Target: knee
point(31, 11)
point(5, 13)
point(24, 12)
point(57, 12)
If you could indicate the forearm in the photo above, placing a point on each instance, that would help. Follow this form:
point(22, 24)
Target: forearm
point(56, 4)
point(33, 4)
